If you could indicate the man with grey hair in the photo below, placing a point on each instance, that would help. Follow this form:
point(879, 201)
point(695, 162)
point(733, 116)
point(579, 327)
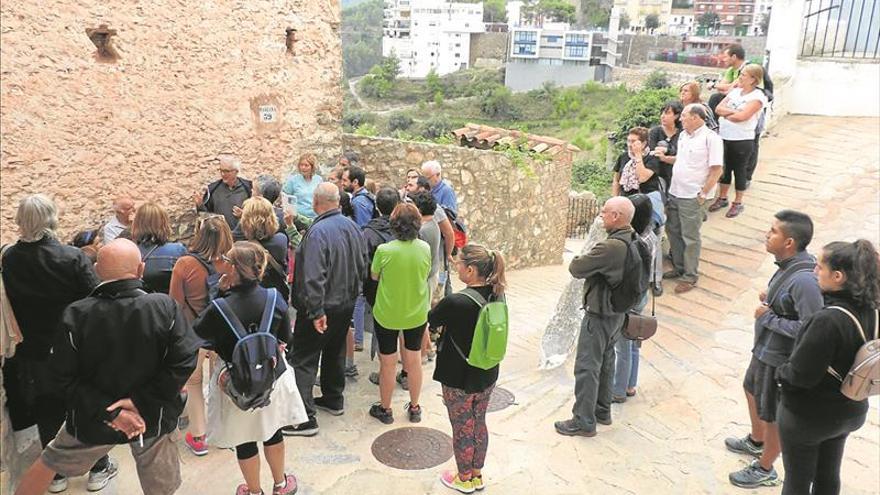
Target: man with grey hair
point(698, 165)
point(442, 191)
point(225, 196)
point(41, 277)
point(602, 268)
point(123, 213)
point(331, 263)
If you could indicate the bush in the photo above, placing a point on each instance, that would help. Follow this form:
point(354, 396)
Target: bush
point(367, 129)
point(436, 127)
point(593, 176)
point(642, 109)
point(399, 122)
point(353, 120)
point(497, 102)
point(374, 85)
point(656, 80)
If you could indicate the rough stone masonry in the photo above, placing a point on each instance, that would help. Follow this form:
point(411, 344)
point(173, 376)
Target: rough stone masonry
point(259, 78)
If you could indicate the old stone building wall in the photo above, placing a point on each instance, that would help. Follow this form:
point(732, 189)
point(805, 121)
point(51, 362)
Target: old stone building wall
point(192, 79)
point(489, 49)
point(520, 213)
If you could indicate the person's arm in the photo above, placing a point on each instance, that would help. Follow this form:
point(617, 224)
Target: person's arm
point(715, 173)
point(439, 316)
point(448, 236)
point(176, 288)
point(615, 184)
point(592, 263)
point(376, 265)
point(742, 115)
point(643, 171)
point(813, 352)
point(807, 300)
point(87, 277)
point(175, 369)
point(363, 211)
point(285, 334)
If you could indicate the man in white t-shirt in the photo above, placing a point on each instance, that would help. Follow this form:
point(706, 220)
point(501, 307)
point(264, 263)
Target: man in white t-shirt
point(698, 165)
point(123, 213)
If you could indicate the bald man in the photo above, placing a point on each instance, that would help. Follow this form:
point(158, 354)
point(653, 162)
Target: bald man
point(120, 359)
point(123, 213)
point(601, 269)
point(331, 264)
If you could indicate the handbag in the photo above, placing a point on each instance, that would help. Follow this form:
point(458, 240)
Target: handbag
point(640, 327)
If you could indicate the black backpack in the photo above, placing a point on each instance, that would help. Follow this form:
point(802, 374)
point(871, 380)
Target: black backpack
point(636, 274)
point(372, 198)
point(256, 359)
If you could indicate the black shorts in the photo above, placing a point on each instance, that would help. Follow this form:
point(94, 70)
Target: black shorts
point(760, 381)
point(412, 338)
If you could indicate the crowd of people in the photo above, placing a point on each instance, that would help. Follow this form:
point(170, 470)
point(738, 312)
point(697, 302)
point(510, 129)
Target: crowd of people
point(116, 333)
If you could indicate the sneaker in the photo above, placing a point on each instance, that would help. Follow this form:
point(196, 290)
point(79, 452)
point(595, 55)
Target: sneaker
point(719, 204)
point(682, 287)
point(477, 481)
point(307, 429)
point(451, 480)
point(754, 476)
point(402, 380)
point(618, 400)
point(415, 413)
point(735, 210)
point(374, 378)
point(97, 481)
point(58, 485)
point(358, 347)
point(196, 445)
point(351, 371)
point(604, 421)
point(382, 414)
point(322, 405)
point(744, 445)
point(289, 488)
point(671, 274)
point(572, 428)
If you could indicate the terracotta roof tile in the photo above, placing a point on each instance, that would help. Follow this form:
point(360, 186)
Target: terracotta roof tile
point(487, 137)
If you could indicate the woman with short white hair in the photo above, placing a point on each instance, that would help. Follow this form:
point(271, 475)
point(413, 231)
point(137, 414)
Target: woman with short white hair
point(41, 277)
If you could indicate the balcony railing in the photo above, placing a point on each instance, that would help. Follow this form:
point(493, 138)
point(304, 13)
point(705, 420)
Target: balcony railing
point(842, 29)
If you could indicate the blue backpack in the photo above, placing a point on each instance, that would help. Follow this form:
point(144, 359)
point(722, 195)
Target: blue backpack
point(256, 359)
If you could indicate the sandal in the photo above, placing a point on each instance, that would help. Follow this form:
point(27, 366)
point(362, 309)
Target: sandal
point(735, 210)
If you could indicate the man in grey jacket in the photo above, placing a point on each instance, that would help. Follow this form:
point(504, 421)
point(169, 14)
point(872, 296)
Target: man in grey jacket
point(792, 296)
point(330, 266)
point(602, 268)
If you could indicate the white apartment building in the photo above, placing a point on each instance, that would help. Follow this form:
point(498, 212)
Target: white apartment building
point(638, 10)
point(563, 57)
point(430, 34)
point(681, 22)
point(762, 8)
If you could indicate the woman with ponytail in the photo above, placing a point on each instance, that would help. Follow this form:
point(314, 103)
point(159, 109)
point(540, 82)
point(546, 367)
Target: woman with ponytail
point(814, 417)
point(467, 389)
point(243, 267)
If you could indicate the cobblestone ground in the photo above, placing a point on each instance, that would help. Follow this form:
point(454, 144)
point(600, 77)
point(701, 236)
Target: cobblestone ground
point(668, 439)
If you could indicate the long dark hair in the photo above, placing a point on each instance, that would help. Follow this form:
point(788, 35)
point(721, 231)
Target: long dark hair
point(860, 263)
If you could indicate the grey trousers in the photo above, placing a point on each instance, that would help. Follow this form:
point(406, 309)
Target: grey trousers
point(594, 368)
point(684, 218)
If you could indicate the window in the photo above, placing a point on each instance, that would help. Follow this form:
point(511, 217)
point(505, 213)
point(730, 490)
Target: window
point(730, 18)
point(457, 55)
point(458, 45)
point(575, 51)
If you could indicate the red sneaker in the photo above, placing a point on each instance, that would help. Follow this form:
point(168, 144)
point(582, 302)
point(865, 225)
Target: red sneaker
point(289, 487)
point(196, 446)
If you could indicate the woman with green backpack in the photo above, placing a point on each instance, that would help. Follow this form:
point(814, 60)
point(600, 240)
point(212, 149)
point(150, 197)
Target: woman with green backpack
point(467, 367)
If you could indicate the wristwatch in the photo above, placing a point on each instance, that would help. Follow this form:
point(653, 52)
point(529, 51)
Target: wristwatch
point(701, 195)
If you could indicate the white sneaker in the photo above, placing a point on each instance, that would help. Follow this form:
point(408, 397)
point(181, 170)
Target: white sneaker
point(99, 480)
point(58, 485)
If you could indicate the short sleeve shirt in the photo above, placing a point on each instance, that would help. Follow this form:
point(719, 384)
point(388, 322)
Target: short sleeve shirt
point(430, 233)
point(402, 299)
point(697, 153)
point(650, 185)
point(741, 131)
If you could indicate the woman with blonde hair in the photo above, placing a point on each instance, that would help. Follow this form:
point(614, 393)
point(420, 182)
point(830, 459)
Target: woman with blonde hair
point(739, 112)
point(301, 186)
point(467, 389)
point(260, 224)
point(229, 426)
point(151, 230)
point(194, 276)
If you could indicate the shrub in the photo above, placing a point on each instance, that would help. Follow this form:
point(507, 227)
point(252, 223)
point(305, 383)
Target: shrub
point(367, 129)
point(375, 85)
point(593, 176)
point(497, 102)
point(436, 127)
point(642, 109)
point(399, 122)
point(656, 80)
point(353, 120)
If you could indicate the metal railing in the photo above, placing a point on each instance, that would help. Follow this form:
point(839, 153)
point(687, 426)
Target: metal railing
point(842, 29)
point(582, 210)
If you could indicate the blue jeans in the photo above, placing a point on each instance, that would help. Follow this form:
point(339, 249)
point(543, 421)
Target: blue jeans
point(359, 309)
point(626, 366)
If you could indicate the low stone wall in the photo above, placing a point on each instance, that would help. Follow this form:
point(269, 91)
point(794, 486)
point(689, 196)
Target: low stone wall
point(517, 213)
point(488, 49)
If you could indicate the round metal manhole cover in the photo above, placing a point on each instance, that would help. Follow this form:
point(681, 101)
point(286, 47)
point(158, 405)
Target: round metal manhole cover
point(412, 448)
point(501, 399)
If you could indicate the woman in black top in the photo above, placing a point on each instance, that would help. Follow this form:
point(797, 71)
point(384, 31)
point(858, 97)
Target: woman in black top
point(814, 417)
point(151, 230)
point(229, 426)
point(636, 171)
point(466, 389)
point(259, 223)
point(663, 139)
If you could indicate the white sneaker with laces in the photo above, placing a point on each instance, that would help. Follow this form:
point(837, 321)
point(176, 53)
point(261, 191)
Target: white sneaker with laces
point(58, 485)
point(98, 481)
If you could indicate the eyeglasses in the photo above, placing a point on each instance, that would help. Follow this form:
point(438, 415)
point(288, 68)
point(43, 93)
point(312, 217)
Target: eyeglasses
point(205, 218)
point(227, 170)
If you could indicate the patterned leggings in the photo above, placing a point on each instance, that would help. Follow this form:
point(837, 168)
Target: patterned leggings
point(470, 437)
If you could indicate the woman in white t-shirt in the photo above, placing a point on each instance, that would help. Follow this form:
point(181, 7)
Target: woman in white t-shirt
point(738, 118)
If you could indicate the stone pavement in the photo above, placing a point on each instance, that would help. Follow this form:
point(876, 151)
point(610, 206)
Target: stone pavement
point(668, 439)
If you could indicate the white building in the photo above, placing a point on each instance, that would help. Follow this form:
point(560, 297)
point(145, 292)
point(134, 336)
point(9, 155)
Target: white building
point(430, 34)
point(681, 21)
point(561, 57)
point(762, 9)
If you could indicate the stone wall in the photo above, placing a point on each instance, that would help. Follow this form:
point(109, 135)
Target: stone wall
point(633, 77)
point(192, 79)
point(635, 48)
point(522, 215)
point(488, 49)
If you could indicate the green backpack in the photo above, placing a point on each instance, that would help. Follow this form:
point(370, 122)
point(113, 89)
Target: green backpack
point(490, 333)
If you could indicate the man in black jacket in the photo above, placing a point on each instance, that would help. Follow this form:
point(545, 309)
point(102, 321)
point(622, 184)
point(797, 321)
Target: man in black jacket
point(120, 358)
point(225, 196)
point(331, 263)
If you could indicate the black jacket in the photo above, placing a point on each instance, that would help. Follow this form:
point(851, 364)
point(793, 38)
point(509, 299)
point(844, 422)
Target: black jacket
point(41, 279)
point(121, 342)
point(331, 262)
point(828, 338)
point(208, 197)
point(376, 232)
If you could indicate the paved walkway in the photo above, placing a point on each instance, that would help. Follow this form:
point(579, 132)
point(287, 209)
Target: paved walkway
point(668, 440)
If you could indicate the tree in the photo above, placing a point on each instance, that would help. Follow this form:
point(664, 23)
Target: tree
point(433, 83)
point(361, 37)
point(497, 102)
point(558, 10)
point(708, 20)
point(494, 11)
point(623, 24)
point(391, 67)
point(652, 22)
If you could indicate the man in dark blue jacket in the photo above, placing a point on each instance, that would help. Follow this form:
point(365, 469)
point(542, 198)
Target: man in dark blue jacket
point(792, 296)
point(330, 265)
point(120, 358)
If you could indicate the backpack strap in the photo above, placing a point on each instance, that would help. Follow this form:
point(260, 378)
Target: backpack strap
point(474, 296)
point(230, 317)
point(855, 320)
point(149, 253)
point(268, 310)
